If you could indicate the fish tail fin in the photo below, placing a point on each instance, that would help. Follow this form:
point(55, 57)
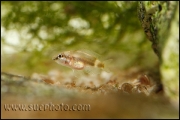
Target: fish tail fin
point(107, 65)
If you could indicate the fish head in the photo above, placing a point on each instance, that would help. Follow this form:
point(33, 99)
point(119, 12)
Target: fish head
point(60, 58)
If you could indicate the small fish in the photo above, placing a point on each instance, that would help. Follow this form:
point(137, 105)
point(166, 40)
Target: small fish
point(79, 60)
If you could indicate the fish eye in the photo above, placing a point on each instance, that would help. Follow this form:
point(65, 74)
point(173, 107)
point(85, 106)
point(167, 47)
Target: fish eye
point(59, 56)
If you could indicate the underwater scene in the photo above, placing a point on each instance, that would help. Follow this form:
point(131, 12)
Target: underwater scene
point(89, 59)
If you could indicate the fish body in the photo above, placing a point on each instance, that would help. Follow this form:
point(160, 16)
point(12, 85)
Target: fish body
point(78, 60)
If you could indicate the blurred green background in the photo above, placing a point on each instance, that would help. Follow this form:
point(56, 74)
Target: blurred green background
point(33, 32)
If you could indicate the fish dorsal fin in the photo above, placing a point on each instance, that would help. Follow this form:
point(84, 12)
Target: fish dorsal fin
point(98, 56)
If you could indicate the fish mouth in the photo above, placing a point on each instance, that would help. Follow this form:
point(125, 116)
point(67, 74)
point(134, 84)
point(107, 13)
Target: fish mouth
point(54, 58)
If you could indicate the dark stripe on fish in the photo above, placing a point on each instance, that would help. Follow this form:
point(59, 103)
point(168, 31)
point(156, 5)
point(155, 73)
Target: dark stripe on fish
point(87, 61)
